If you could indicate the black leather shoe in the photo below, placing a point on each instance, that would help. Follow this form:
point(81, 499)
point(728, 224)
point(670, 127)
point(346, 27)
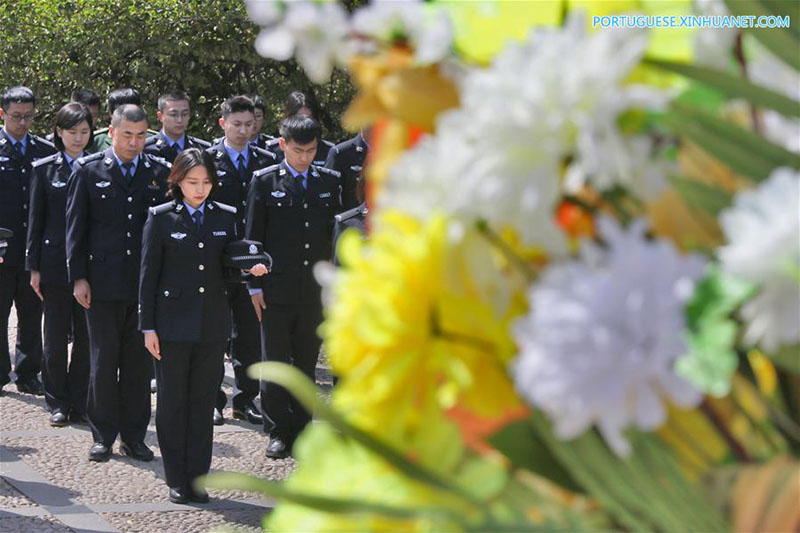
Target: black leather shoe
point(249, 413)
point(31, 386)
point(199, 496)
point(100, 452)
point(278, 448)
point(78, 418)
point(59, 418)
point(218, 418)
point(138, 451)
point(178, 495)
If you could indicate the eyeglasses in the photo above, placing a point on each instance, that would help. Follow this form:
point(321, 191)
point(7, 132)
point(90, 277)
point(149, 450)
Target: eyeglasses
point(20, 118)
point(175, 116)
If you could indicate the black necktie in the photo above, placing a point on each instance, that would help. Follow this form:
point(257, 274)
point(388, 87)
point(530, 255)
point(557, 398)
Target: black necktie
point(198, 218)
point(18, 147)
point(127, 171)
point(176, 149)
point(241, 168)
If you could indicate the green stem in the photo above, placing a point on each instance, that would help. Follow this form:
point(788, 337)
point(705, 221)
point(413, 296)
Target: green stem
point(514, 258)
point(736, 447)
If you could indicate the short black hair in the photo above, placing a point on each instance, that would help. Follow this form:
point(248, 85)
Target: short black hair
point(129, 112)
point(258, 102)
point(173, 96)
point(70, 116)
point(186, 161)
point(86, 97)
point(297, 100)
point(17, 95)
point(237, 104)
point(301, 129)
point(122, 96)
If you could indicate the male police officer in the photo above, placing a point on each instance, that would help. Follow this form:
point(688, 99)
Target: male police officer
point(18, 149)
point(348, 158)
point(259, 138)
point(90, 99)
point(290, 209)
point(108, 197)
point(174, 113)
point(236, 160)
point(102, 139)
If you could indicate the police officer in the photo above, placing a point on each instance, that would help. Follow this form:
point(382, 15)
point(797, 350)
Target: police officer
point(108, 197)
point(18, 149)
point(65, 384)
point(348, 159)
point(102, 138)
point(236, 160)
point(88, 98)
point(259, 138)
point(290, 209)
point(174, 113)
point(184, 315)
point(301, 103)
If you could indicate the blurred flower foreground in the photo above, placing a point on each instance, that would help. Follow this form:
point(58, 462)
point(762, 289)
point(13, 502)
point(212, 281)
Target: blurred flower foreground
point(578, 304)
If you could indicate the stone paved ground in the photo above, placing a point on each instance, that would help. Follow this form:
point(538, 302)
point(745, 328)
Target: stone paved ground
point(48, 484)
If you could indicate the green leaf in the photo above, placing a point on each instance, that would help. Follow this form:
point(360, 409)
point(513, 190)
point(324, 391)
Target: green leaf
point(305, 391)
point(787, 357)
point(525, 449)
point(277, 489)
point(732, 86)
point(483, 478)
point(703, 97)
point(780, 41)
point(700, 196)
point(712, 360)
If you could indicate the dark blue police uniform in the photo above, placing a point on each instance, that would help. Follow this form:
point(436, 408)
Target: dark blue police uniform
point(65, 384)
point(294, 222)
point(245, 348)
point(106, 211)
point(183, 297)
point(162, 146)
point(15, 171)
point(321, 155)
point(348, 159)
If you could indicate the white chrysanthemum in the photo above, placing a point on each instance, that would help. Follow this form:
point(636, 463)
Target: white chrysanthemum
point(500, 155)
point(427, 27)
point(762, 229)
point(713, 46)
point(315, 32)
point(603, 334)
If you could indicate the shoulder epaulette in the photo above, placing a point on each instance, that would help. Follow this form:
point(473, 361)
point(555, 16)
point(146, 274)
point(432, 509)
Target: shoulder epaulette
point(101, 131)
point(330, 144)
point(327, 170)
point(160, 160)
point(42, 140)
point(262, 151)
point(150, 140)
point(266, 170)
point(217, 140)
point(225, 207)
point(351, 213)
point(272, 143)
point(201, 142)
point(162, 208)
point(91, 157)
point(44, 160)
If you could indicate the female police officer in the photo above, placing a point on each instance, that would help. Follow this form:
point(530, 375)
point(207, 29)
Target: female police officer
point(65, 387)
point(185, 317)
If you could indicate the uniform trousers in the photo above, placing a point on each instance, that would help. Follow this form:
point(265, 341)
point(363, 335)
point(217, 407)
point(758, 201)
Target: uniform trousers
point(244, 348)
point(65, 379)
point(119, 373)
point(15, 289)
point(187, 378)
point(290, 336)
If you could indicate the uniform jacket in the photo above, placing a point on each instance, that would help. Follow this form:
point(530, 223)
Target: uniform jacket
point(352, 218)
point(15, 176)
point(47, 220)
point(232, 190)
point(323, 148)
point(157, 146)
point(348, 158)
point(295, 228)
point(105, 217)
point(262, 140)
point(182, 291)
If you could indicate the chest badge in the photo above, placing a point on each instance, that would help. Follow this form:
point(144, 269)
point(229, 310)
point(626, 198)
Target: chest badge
point(278, 194)
point(220, 233)
point(59, 184)
point(153, 185)
point(178, 236)
point(221, 172)
point(102, 184)
point(325, 195)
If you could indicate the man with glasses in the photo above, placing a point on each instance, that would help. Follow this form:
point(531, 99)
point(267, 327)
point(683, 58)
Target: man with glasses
point(18, 149)
point(174, 113)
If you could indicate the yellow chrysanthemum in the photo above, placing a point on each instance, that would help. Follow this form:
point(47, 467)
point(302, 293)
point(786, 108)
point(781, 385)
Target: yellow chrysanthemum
point(419, 325)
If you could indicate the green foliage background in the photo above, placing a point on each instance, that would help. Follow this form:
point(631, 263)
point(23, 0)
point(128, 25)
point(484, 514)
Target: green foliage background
point(204, 47)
